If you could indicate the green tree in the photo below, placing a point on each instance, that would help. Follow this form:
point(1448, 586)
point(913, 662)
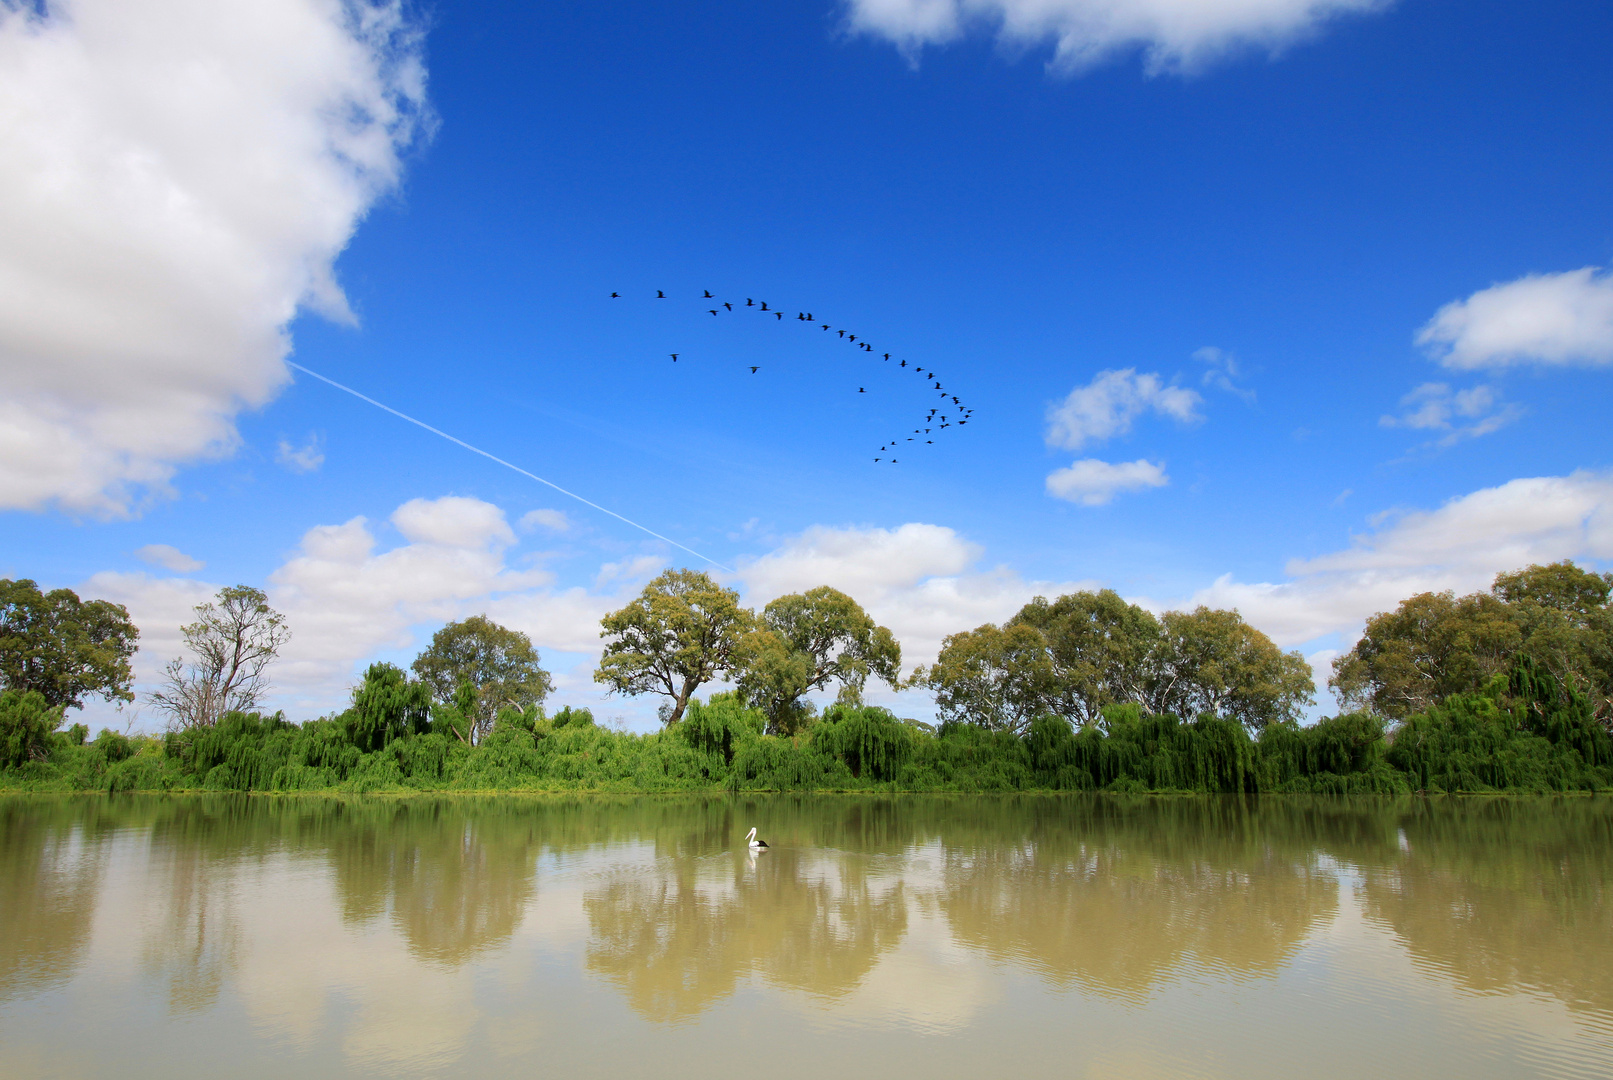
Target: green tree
point(63, 648)
point(500, 665)
point(1431, 646)
point(1211, 661)
point(27, 724)
point(1099, 647)
point(233, 641)
point(1566, 625)
point(680, 633)
point(804, 641)
point(999, 678)
point(387, 705)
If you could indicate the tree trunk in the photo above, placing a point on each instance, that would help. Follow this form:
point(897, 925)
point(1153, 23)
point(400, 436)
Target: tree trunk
point(683, 701)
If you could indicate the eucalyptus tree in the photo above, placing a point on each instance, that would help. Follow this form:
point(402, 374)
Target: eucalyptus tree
point(1212, 661)
point(62, 648)
point(500, 665)
point(999, 678)
point(681, 632)
point(233, 641)
point(1099, 648)
point(804, 641)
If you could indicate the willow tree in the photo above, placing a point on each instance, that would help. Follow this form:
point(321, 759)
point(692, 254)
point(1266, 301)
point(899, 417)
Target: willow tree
point(803, 642)
point(680, 633)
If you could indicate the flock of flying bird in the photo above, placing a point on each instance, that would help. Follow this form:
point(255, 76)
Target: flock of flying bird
point(933, 424)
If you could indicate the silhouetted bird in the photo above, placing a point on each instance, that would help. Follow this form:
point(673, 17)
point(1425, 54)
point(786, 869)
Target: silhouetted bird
point(955, 401)
point(930, 441)
point(753, 371)
point(962, 422)
point(615, 296)
point(826, 326)
point(764, 305)
point(887, 356)
point(714, 311)
point(810, 318)
point(708, 295)
point(904, 363)
point(842, 333)
point(674, 358)
point(780, 314)
point(879, 459)
point(727, 305)
point(853, 337)
point(659, 295)
point(749, 302)
point(860, 390)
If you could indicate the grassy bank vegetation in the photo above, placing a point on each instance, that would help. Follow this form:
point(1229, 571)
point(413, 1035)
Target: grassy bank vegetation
point(1522, 732)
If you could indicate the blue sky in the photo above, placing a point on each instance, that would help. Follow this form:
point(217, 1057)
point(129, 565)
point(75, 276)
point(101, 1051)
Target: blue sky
point(1310, 289)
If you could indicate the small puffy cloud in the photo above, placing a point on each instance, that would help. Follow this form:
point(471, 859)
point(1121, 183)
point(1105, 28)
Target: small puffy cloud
point(453, 521)
point(1459, 414)
point(1107, 405)
point(301, 459)
point(1091, 482)
point(1551, 319)
point(552, 520)
point(1174, 35)
point(169, 558)
point(1461, 545)
point(1223, 370)
point(178, 179)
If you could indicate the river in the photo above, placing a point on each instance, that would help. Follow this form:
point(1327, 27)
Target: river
point(935, 936)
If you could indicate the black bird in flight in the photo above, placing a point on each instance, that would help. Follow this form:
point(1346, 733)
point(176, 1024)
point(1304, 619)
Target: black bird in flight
point(860, 390)
point(714, 311)
point(753, 371)
point(749, 302)
point(842, 333)
point(904, 363)
point(709, 296)
point(853, 337)
point(780, 314)
point(764, 305)
point(810, 318)
point(727, 305)
point(887, 356)
point(615, 296)
point(674, 358)
point(826, 326)
point(659, 295)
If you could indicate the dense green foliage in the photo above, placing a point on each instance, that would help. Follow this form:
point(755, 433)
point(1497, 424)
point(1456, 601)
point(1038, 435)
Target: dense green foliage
point(498, 663)
point(1523, 732)
point(63, 648)
point(1085, 652)
point(1434, 645)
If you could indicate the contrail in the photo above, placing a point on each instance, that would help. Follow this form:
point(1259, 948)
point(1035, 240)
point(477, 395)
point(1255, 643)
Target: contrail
point(507, 465)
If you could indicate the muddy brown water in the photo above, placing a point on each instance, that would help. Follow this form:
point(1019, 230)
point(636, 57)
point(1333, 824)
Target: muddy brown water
point(932, 936)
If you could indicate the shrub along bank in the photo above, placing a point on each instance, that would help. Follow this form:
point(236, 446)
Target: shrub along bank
point(1522, 732)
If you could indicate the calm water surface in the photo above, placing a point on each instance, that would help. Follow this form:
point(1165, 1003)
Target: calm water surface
point(922, 936)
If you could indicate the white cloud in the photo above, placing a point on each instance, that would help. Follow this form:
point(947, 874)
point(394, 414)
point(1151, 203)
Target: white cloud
point(553, 520)
point(1224, 368)
point(1091, 482)
point(1460, 414)
point(453, 521)
point(1107, 405)
point(1557, 319)
point(178, 178)
point(169, 558)
point(301, 459)
point(1174, 35)
point(1461, 546)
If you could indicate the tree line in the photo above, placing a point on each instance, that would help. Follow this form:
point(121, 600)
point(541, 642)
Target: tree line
point(1504, 689)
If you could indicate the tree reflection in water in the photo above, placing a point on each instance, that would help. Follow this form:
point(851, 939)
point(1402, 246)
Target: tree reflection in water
point(1107, 895)
point(52, 859)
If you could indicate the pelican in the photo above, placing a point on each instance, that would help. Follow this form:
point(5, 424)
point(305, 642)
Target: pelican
point(755, 844)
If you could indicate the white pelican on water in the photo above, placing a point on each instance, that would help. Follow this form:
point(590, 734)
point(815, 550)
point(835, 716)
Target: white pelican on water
point(756, 845)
